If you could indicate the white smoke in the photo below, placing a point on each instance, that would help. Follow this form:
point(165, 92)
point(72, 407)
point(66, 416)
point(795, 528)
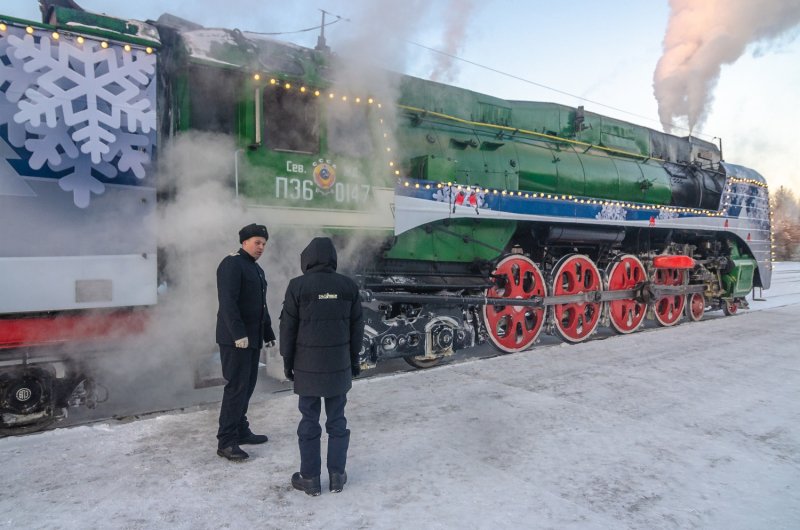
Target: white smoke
point(445, 68)
point(199, 221)
point(701, 37)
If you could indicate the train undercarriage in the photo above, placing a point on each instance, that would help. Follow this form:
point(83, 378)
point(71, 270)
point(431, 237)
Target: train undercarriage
point(36, 391)
point(426, 312)
point(565, 289)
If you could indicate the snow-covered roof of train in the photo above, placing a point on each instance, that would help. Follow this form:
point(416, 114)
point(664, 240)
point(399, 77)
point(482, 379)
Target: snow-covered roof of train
point(237, 48)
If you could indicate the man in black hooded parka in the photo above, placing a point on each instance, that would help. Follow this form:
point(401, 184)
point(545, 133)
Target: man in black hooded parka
point(321, 334)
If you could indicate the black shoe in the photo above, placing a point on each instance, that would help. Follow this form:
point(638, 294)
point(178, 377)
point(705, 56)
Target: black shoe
point(337, 481)
point(308, 485)
point(253, 439)
point(233, 452)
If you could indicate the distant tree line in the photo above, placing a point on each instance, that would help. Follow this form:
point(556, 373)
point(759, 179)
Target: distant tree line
point(786, 225)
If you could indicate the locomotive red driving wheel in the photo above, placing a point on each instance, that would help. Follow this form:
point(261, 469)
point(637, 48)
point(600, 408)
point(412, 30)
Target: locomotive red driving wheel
point(514, 328)
point(625, 273)
point(668, 309)
point(697, 306)
point(576, 274)
point(730, 307)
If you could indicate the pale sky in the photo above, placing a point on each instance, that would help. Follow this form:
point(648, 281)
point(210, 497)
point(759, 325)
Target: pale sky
point(604, 52)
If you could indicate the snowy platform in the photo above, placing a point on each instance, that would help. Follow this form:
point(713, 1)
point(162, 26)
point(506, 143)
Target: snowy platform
point(697, 426)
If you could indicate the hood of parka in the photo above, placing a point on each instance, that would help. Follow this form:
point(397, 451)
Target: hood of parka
point(318, 256)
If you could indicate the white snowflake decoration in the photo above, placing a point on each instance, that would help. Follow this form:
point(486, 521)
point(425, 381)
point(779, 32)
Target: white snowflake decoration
point(664, 214)
point(612, 212)
point(79, 107)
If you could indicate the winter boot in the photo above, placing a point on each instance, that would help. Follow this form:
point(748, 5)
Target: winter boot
point(337, 481)
point(253, 439)
point(308, 485)
point(233, 453)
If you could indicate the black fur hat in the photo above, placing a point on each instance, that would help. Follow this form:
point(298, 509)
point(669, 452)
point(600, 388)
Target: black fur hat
point(253, 230)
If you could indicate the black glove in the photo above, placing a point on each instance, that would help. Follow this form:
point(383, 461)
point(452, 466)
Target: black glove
point(289, 373)
point(355, 369)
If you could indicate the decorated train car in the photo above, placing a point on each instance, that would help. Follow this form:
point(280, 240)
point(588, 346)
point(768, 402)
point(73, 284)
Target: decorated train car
point(78, 266)
point(475, 218)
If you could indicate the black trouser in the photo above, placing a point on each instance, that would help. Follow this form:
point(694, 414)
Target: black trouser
point(240, 370)
point(309, 432)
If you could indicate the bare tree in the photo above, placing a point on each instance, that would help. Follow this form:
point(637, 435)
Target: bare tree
point(786, 225)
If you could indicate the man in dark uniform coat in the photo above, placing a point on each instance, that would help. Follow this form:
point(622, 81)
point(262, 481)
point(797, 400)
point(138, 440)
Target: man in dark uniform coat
point(321, 335)
point(243, 325)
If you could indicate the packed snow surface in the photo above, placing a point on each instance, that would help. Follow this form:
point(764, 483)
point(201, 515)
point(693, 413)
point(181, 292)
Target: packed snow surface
point(696, 426)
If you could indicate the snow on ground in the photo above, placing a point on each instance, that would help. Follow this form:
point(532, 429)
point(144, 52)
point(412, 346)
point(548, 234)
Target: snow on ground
point(696, 426)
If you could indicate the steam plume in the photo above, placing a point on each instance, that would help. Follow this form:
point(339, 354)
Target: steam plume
point(700, 38)
point(445, 69)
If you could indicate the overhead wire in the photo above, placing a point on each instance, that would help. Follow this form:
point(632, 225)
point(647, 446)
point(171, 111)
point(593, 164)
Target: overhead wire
point(318, 26)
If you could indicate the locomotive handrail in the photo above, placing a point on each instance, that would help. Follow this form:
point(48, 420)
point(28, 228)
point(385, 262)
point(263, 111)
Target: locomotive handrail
point(532, 133)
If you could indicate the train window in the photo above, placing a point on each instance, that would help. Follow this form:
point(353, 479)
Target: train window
point(291, 120)
point(348, 130)
point(212, 100)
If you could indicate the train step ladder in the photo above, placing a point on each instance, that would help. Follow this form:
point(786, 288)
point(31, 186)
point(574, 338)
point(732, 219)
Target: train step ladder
point(760, 297)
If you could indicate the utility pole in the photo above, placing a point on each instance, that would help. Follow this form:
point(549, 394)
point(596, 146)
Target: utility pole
point(321, 44)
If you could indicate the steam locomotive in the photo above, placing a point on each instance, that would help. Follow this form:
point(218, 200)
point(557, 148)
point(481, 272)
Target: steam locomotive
point(477, 218)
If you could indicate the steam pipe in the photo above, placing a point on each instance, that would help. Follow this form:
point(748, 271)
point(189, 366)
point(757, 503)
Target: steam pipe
point(236, 170)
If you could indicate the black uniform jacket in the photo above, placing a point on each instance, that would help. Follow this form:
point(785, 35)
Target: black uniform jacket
point(242, 293)
point(321, 324)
